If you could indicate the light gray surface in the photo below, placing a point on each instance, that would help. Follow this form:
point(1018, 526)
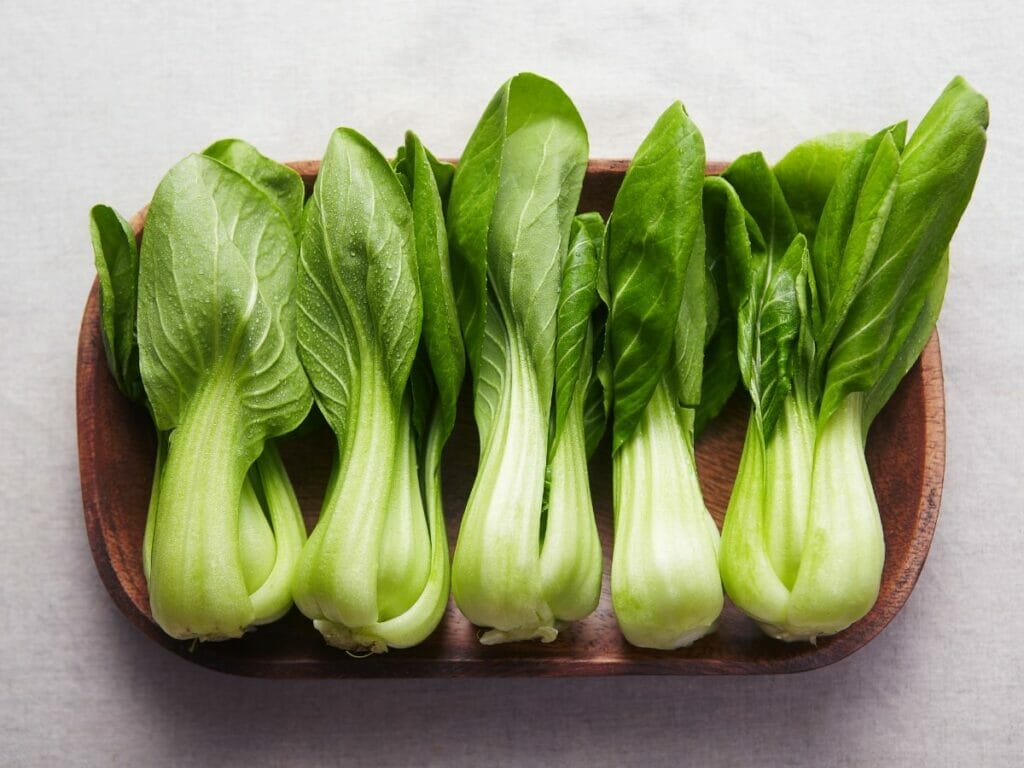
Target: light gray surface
point(96, 103)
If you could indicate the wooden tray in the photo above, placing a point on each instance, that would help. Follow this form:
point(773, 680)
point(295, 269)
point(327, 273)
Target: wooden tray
point(116, 444)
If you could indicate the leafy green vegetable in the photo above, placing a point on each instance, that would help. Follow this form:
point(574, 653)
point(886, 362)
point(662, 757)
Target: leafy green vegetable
point(807, 173)
point(574, 356)
point(765, 524)
point(822, 348)
point(570, 558)
point(117, 266)
point(725, 230)
point(217, 356)
point(934, 182)
point(526, 558)
point(271, 529)
point(282, 185)
point(440, 362)
point(373, 276)
point(666, 589)
point(644, 308)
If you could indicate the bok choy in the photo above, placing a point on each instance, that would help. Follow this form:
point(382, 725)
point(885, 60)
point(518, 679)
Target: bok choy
point(528, 555)
point(216, 355)
point(379, 338)
point(824, 335)
point(666, 589)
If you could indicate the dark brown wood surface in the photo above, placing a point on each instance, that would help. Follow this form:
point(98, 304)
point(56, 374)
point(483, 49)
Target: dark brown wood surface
point(905, 452)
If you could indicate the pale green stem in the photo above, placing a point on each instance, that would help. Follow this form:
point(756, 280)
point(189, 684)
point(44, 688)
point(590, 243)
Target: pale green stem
point(496, 570)
point(666, 589)
point(154, 503)
point(273, 598)
point(336, 577)
point(747, 571)
point(789, 457)
point(405, 544)
point(570, 558)
point(255, 537)
point(197, 588)
point(841, 568)
point(413, 625)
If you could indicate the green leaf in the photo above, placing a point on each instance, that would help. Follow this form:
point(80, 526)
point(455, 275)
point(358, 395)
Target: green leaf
point(215, 300)
point(873, 157)
point(762, 198)
point(441, 342)
point(360, 307)
point(765, 291)
point(543, 163)
point(117, 265)
point(936, 177)
point(870, 206)
point(721, 375)
point(777, 321)
point(602, 355)
point(444, 173)
point(513, 197)
point(594, 415)
point(470, 205)
point(730, 236)
point(423, 392)
point(278, 182)
point(576, 303)
point(726, 242)
point(808, 172)
point(915, 333)
point(685, 374)
point(650, 237)
point(400, 165)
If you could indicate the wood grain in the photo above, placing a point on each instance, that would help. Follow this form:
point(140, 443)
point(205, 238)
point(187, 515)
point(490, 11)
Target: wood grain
point(905, 452)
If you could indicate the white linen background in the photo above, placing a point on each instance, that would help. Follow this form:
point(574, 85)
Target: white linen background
point(98, 100)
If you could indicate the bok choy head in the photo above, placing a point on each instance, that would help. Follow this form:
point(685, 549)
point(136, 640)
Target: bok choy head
point(824, 335)
point(221, 372)
point(666, 590)
point(527, 556)
point(374, 573)
point(270, 526)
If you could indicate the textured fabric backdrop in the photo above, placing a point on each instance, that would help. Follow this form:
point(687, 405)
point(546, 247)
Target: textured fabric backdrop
point(97, 100)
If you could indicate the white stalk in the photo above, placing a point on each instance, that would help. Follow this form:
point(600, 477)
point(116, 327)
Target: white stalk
point(666, 589)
